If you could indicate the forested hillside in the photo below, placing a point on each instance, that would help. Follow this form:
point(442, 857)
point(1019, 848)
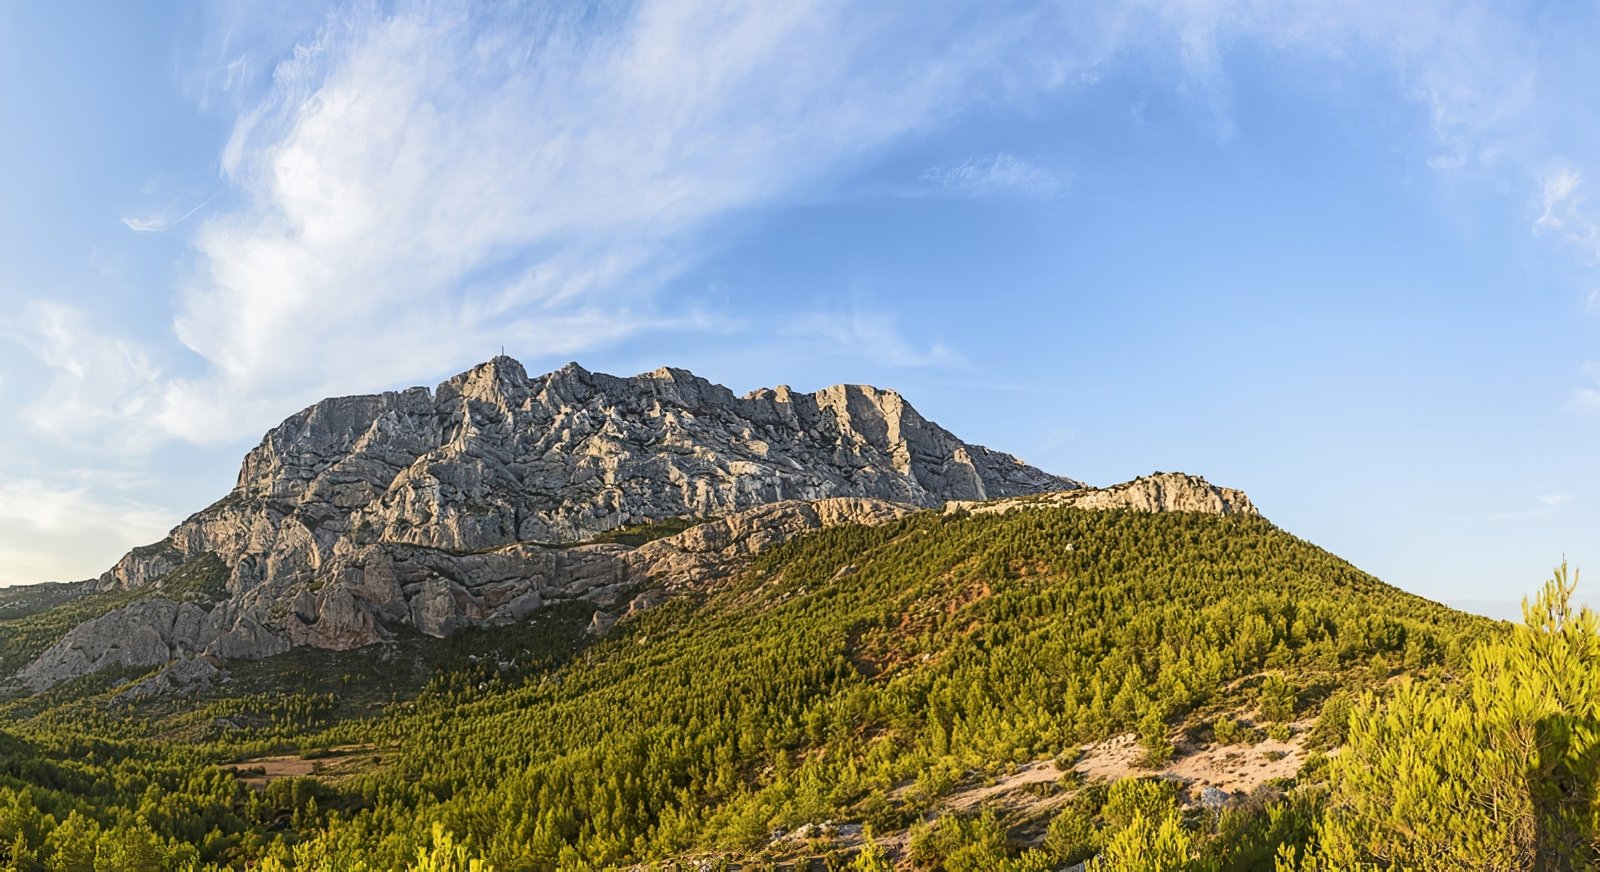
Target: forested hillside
point(843, 699)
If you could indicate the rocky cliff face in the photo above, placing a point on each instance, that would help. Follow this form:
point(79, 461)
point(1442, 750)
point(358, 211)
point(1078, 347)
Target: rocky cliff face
point(483, 501)
point(493, 457)
point(385, 588)
point(364, 516)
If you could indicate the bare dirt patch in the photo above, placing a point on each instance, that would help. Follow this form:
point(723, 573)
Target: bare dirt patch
point(1032, 792)
point(1233, 768)
point(1003, 788)
point(334, 763)
point(1237, 769)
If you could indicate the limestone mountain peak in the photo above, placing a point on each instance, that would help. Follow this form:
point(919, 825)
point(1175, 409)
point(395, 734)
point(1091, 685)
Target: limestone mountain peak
point(359, 517)
point(494, 457)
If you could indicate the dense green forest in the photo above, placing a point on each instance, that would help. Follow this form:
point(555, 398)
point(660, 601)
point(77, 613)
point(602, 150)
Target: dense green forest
point(832, 699)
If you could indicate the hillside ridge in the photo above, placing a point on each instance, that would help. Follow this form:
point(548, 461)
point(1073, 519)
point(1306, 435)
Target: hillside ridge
point(429, 511)
point(362, 519)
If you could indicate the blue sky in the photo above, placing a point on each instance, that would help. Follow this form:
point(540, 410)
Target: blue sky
point(1340, 255)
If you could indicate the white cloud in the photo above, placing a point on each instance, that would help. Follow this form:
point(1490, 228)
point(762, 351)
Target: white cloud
point(50, 532)
point(1002, 175)
point(417, 188)
point(1558, 188)
point(147, 224)
point(1562, 213)
point(1554, 500)
point(424, 187)
point(1561, 201)
point(98, 381)
point(1585, 401)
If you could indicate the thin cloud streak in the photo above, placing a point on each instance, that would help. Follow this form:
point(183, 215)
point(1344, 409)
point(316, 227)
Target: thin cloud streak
point(162, 223)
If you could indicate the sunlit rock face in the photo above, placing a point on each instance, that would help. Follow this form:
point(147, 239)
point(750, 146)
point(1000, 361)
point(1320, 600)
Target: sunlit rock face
point(360, 517)
point(493, 458)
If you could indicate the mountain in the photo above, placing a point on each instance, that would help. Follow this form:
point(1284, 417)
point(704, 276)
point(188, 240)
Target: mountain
point(578, 622)
point(470, 505)
point(1007, 685)
point(585, 622)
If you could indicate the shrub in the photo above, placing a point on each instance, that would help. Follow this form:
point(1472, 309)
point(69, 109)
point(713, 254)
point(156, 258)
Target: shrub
point(1276, 699)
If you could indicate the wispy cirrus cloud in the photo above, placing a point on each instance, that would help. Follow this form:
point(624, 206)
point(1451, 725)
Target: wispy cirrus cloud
point(1563, 212)
point(454, 177)
point(871, 333)
point(98, 381)
point(1000, 175)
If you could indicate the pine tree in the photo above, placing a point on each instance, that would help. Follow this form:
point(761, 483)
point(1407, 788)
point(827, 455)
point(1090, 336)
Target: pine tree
point(447, 856)
point(872, 857)
point(1499, 773)
point(1147, 844)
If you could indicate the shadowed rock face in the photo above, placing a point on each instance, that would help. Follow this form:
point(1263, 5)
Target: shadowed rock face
point(363, 596)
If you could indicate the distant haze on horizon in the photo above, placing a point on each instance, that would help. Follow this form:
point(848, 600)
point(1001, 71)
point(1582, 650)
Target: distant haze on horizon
point(1342, 256)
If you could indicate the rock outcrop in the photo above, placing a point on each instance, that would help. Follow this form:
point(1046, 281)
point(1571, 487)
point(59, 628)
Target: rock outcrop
point(182, 677)
point(145, 634)
point(141, 566)
point(1159, 492)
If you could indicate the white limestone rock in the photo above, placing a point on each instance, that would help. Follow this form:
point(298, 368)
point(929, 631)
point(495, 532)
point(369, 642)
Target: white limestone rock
point(1159, 492)
point(360, 518)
